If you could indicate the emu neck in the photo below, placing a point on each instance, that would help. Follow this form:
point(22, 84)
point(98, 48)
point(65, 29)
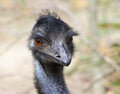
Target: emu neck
point(49, 78)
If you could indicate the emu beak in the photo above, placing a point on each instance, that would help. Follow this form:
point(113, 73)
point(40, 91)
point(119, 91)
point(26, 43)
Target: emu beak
point(63, 56)
point(64, 59)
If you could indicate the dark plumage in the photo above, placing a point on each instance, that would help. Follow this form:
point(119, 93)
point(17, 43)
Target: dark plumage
point(52, 48)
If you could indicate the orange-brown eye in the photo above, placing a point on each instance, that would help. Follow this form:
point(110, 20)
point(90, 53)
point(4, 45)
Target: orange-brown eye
point(38, 42)
point(70, 40)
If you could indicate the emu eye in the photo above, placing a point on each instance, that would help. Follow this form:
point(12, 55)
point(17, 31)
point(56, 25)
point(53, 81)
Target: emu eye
point(38, 42)
point(69, 41)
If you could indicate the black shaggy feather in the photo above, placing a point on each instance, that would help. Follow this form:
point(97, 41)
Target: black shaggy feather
point(55, 52)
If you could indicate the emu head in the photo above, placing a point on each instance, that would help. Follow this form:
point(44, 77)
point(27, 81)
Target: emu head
point(51, 40)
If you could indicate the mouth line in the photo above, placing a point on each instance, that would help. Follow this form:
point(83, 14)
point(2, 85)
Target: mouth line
point(52, 59)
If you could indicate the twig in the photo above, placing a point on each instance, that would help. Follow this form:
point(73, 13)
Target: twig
point(66, 11)
point(104, 57)
point(19, 17)
point(106, 74)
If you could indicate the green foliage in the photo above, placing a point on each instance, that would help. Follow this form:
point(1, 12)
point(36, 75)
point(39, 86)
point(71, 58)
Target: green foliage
point(116, 83)
point(118, 92)
point(104, 32)
point(116, 47)
point(86, 58)
point(109, 25)
point(23, 2)
point(105, 2)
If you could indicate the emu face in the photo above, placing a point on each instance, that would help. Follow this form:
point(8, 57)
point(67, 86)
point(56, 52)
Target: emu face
point(51, 40)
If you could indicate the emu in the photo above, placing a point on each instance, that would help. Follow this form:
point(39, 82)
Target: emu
point(51, 45)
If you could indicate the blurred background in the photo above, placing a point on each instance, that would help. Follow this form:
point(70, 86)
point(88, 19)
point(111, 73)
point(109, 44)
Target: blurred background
point(95, 68)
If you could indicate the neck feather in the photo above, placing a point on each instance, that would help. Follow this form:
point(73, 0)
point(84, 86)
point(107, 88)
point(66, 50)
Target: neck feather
point(49, 78)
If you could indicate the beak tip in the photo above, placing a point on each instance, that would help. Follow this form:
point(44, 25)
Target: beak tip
point(67, 63)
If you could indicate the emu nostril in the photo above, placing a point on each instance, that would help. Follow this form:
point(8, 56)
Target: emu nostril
point(57, 55)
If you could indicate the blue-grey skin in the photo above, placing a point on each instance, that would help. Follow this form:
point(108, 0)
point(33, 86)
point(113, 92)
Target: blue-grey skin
point(55, 53)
